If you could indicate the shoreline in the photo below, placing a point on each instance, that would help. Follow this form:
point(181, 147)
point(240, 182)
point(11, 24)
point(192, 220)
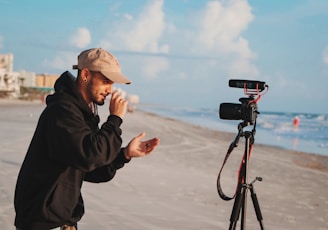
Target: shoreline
point(307, 159)
point(304, 159)
point(275, 131)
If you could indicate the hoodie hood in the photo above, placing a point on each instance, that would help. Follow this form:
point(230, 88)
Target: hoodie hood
point(67, 91)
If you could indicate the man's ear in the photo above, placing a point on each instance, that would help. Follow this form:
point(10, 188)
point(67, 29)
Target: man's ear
point(85, 75)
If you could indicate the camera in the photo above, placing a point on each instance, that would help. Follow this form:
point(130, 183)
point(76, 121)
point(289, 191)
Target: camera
point(247, 110)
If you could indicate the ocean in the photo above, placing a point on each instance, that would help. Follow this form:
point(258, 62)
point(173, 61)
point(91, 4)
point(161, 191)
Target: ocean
point(272, 128)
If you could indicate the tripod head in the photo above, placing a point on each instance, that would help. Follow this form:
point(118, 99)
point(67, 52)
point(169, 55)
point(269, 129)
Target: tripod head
point(242, 133)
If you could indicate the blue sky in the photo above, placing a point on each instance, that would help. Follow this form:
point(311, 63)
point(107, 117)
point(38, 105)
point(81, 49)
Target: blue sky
point(182, 53)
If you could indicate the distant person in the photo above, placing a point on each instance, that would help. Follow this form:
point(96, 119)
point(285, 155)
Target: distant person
point(68, 147)
point(296, 122)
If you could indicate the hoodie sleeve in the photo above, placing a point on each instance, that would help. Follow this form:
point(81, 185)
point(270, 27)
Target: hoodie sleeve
point(74, 141)
point(107, 172)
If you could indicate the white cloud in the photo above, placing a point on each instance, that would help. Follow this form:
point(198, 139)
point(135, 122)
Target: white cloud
point(325, 56)
point(1, 42)
point(223, 24)
point(155, 66)
point(242, 67)
point(147, 29)
point(213, 31)
point(81, 38)
point(128, 17)
point(63, 60)
point(220, 33)
point(141, 34)
point(325, 61)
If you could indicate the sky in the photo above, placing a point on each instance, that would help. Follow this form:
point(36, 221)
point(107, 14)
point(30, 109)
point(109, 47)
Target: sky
point(182, 52)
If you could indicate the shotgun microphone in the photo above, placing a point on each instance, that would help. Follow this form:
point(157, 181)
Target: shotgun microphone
point(238, 83)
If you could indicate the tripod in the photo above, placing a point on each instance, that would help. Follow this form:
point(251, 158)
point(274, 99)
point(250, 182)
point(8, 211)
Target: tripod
point(246, 111)
point(240, 204)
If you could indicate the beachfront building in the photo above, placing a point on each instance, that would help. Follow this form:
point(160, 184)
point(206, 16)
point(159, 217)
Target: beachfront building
point(22, 84)
point(9, 80)
point(45, 81)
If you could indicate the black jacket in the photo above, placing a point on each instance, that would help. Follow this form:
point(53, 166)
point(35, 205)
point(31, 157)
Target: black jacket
point(67, 148)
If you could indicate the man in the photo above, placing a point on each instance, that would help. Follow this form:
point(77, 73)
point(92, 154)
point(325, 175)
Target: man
point(68, 147)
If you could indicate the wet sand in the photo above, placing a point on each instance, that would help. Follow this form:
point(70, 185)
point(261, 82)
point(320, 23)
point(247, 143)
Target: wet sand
point(175, 187)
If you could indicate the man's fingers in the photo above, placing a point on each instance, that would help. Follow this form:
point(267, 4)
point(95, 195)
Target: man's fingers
point(141, 135)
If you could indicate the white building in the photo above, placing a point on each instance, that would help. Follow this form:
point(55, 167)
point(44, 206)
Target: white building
point(11, 81)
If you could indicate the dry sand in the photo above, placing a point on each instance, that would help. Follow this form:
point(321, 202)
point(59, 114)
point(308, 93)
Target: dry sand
point(175, 187)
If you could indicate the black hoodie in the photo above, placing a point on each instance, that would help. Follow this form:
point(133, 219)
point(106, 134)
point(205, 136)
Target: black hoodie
point(67, 148)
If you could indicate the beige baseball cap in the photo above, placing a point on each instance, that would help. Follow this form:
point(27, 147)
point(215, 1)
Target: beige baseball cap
point(100, 60)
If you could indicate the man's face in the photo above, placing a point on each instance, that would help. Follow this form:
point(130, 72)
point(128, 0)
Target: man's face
point(98, 88)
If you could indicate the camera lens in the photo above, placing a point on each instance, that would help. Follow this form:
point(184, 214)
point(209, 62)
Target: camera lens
point(230, 111)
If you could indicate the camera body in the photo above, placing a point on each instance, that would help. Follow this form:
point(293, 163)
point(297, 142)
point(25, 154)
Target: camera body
point(246, 111)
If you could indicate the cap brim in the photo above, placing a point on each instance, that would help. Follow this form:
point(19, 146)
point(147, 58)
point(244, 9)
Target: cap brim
point(116, 77)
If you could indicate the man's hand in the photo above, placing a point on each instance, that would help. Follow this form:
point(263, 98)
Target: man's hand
point(138, 148)
point(117, 105)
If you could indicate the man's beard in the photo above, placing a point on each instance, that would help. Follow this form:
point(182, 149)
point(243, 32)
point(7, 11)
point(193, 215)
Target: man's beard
point(99, 102)
point(96, 99)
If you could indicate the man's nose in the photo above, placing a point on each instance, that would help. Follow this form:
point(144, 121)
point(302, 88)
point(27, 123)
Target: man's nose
point(109, 89)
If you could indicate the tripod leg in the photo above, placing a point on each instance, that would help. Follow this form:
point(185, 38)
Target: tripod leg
point(237, 207)
point(256, 206)
point(244, 207)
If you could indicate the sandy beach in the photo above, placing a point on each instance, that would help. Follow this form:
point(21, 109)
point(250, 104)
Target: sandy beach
point(175, 187)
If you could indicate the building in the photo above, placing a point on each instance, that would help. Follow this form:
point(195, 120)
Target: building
point(9, 80)
point(46, 81)
point(23, 84)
